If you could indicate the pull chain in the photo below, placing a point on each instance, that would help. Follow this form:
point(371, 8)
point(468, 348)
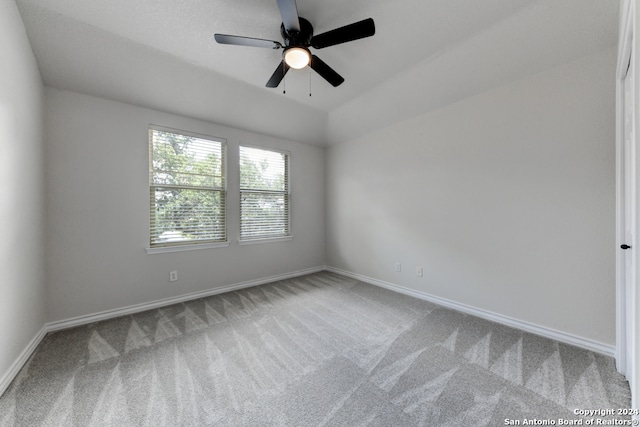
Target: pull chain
point(284, 84)
point(309, 82)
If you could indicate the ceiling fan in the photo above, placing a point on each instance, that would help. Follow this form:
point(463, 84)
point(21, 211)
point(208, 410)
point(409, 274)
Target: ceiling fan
point(298, 36)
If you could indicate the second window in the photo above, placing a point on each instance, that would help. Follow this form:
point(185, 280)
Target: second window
point(264, 194)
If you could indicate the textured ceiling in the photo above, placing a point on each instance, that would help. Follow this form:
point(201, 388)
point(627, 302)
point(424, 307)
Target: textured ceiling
point(161, 54)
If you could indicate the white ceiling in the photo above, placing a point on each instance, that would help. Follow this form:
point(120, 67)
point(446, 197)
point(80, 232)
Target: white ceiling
point(425, 54)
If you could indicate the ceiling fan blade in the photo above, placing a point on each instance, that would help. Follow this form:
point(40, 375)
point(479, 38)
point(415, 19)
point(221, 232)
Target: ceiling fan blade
point(246, 41)
point(355, 31)
point(289, 12)
point(325, 71)
point(278, 75)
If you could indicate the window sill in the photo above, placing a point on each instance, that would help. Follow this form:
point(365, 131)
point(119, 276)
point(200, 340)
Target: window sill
point(181, 248)
point(267, 240)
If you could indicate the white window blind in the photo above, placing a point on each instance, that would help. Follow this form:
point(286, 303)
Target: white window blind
point(187, 188)
point(264, 194)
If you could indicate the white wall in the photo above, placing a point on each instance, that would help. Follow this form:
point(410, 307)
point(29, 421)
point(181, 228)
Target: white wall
point(506, 199)
point(98, 210)
point(22, 294)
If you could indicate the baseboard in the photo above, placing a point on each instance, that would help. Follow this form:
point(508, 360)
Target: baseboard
point(10, 375)
point(137, 308)
point(595, 346)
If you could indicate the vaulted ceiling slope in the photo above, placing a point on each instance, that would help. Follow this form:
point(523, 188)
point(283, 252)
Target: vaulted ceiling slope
point(424, 55)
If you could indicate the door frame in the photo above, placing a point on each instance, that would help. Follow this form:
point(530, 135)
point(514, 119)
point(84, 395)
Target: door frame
point(624, 56)
point(627, 341)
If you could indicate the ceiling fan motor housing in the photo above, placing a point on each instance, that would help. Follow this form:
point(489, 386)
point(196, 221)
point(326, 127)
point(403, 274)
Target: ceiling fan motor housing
point(294, 38)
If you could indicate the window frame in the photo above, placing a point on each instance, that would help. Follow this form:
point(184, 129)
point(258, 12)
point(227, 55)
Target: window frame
point(190, 244)
point(266, 239)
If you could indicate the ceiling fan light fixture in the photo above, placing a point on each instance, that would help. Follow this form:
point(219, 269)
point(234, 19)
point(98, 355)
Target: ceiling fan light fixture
point(297, 57)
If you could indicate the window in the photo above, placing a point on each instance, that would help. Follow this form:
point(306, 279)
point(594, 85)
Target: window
point(264, 194)
point(187, 188)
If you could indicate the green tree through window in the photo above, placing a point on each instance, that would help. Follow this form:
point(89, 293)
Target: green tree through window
point(187, 188)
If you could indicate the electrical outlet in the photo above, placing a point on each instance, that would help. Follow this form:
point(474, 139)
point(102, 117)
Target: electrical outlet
point(398, 267)
point(419, 271)
point(173, 276)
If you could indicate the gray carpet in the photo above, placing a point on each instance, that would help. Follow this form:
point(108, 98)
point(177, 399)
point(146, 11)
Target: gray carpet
point(321, 349)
